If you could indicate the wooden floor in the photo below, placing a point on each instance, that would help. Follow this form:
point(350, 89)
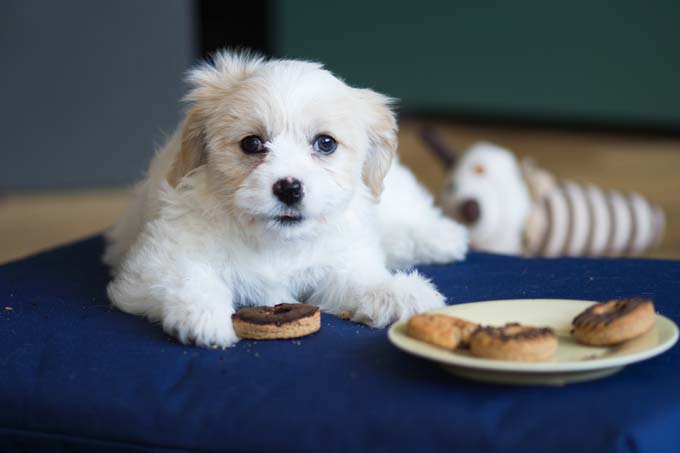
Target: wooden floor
point(33, 222)
point(649, 165)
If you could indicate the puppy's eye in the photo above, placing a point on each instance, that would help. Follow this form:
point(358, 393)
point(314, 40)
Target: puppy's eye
point(325, 144)
point(252, 144)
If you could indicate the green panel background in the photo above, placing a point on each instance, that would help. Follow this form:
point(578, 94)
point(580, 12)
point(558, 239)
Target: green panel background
point(614, 62)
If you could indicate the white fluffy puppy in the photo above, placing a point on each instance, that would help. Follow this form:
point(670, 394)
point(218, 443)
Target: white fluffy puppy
point(269, 193)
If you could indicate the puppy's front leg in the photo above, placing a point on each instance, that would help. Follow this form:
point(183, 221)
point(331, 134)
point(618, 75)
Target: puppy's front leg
point(397, 297)
point(375, 297)
point(168, 282)
point(200, 312)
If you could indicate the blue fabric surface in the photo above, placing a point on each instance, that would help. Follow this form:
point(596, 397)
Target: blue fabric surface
point(77, 374)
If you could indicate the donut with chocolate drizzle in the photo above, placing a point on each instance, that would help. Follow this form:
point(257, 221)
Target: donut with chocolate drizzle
point(514, 342)
point(613, 322)
point(278, 322)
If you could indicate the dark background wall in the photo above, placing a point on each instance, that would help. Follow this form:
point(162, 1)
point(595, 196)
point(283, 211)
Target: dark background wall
point(585, 62)
point(89, 87)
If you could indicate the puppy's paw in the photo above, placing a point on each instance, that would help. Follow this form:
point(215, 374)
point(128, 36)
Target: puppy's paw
point(200, 326)
point(444, 241)
point(402, 296)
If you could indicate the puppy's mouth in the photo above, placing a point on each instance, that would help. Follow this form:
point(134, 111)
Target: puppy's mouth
point(289, 218)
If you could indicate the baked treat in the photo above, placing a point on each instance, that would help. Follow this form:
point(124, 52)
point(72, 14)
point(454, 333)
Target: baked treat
point(467, 328)
point(514, 342)
point(613, 322)
point(278, 322)
point(435, 329)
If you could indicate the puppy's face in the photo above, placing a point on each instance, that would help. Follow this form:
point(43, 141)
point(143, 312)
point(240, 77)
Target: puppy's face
point(287, 145)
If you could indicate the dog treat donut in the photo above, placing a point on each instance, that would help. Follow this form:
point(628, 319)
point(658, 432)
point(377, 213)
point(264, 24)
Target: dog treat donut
point(467, 328)
point(278, 322)
point(613, 322)
point(439, 330)
point(514, 342)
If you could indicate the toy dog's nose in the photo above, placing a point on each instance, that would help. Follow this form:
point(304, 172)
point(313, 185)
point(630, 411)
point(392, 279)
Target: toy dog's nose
point(469, 211)
point(288, 190)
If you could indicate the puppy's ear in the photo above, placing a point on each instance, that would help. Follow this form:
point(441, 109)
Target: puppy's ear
point(211, 82)
point(382, 136)
point(192, 153)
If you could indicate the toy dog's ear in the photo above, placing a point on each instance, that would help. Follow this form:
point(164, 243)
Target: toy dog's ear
point(435, 143)
point(539, 181)
point(192, 153)
point(382, 136)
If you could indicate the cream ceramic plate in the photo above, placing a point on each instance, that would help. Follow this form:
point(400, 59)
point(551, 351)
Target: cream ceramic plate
point(572, 362)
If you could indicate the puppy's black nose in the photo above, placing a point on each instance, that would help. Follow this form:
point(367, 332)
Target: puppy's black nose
point(288, 190)
point(469, 211)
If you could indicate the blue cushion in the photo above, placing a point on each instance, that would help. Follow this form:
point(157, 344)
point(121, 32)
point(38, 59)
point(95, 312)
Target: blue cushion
point(77, 374)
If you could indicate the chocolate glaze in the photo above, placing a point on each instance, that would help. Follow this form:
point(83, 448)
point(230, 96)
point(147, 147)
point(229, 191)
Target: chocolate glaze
point(527, 333)
point(277, 315)
point(608, 312)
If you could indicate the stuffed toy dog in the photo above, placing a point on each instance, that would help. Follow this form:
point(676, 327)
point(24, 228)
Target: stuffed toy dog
point(515, 207)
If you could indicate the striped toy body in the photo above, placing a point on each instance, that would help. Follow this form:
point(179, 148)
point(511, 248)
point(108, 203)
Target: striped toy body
point(572, 219)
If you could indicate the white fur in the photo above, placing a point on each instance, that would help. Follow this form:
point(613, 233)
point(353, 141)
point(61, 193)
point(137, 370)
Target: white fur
point(187, 256)
point(492, 176)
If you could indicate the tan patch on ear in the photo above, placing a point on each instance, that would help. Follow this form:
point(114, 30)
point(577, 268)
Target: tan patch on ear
point(192, 153)
point(383, 140)
point(377, 165)
point(479, 169)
